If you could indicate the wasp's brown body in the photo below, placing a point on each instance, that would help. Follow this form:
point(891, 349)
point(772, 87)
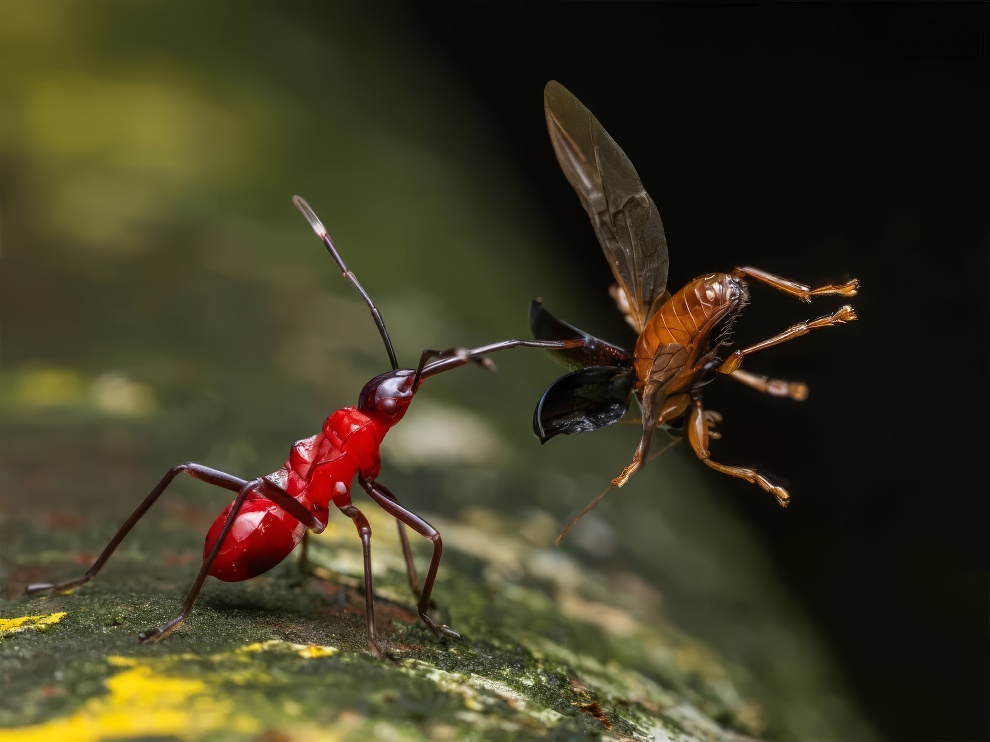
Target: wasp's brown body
point(683, 339)
point(693, 320)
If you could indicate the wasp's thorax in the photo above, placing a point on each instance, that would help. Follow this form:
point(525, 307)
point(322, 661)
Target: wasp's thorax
point(696, 318)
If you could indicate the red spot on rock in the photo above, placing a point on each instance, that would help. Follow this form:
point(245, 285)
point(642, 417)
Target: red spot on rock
point(595, 710)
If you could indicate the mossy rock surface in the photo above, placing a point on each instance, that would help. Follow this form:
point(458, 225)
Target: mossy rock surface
point(551, 649)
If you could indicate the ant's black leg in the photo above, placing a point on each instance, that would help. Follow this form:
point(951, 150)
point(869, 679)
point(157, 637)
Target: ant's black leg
point(197, 471)
point(210, 476)
point(389, 505)
point(364, 531)
point(406, 548)
point(263, 487)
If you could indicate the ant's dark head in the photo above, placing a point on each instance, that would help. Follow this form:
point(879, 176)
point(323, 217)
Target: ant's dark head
point(387, 396)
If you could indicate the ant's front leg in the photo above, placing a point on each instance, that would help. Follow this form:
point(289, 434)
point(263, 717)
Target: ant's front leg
point(386, 500)
point(457, 353)
point(456, 357)
point(407, 554)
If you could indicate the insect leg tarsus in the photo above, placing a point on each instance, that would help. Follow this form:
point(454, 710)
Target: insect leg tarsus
point(630, 469)
point(165, 629)
point(655, 414)
point(389, 504)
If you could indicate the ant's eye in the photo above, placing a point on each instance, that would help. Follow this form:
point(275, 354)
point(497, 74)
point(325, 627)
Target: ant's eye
point(388, 406)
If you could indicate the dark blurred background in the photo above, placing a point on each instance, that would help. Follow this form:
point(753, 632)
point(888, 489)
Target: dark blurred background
point(817, 142)
point(162, 301)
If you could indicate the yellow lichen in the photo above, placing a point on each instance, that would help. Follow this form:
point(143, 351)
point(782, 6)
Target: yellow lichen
point(10, 626)
point(151, 698)
point(306, 651)
point(141, 702)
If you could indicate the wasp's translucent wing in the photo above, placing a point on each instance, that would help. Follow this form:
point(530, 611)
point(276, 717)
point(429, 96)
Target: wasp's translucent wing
point(624, 216)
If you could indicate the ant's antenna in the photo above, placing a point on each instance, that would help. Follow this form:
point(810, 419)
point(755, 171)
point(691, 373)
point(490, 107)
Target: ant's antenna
point(321, 232)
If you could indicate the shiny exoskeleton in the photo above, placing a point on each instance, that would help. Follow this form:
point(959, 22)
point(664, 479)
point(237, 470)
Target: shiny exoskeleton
point(683, 339)
point(271, 515)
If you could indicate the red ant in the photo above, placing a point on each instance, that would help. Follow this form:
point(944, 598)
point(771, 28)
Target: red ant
point(271, 514)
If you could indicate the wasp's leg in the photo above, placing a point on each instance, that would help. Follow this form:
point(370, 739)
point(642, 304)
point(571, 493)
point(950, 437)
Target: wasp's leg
point(670, 408)
point(698, 428)
point(795, 289)
point(843, 315)
point(796, 390)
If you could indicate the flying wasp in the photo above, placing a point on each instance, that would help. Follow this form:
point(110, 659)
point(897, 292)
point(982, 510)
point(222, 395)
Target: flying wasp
point(683, 339)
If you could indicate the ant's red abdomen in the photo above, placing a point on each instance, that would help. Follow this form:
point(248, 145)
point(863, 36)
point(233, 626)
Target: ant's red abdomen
point(262, 536)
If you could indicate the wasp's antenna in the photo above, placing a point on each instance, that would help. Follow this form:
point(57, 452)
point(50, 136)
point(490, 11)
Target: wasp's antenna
point(321, 232)
point(576, 518)
point(593, 503)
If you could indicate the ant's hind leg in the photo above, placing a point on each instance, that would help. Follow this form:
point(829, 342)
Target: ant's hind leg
point(407, 555)
point(196, 471)
point(304, 564)
point(261, 486)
